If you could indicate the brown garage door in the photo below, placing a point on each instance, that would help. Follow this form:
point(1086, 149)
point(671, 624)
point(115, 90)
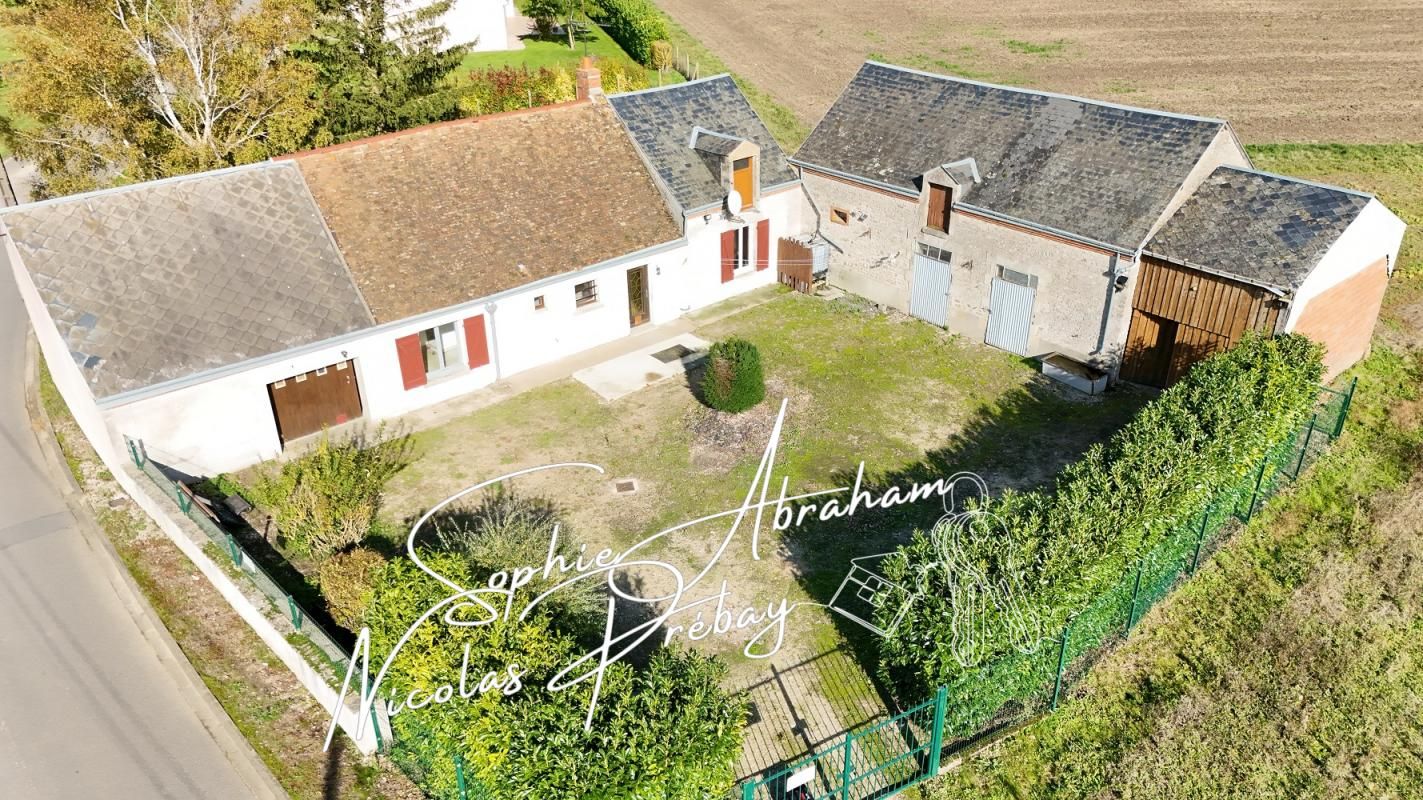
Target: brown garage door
point(306, 403)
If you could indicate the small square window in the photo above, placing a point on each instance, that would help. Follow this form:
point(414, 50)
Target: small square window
point(840, 216)
point(279, 385)
point(1020, 278)
point(539, 302)
point(320, 371)
point(585, 294)
point(301, 378)
point(342, 365)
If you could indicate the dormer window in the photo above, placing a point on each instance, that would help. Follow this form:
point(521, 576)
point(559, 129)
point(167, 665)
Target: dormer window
point(743, 180)
point(940, 202)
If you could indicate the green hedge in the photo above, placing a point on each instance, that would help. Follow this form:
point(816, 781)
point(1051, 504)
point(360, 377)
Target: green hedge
point(634, 24)
point(733, 381)
point(1061, 553)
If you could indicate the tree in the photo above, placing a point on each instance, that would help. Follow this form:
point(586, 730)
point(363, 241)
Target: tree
point(130, 90)
point(380, 68)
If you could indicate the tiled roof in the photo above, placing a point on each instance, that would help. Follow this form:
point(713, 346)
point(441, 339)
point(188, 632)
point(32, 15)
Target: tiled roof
point(452, 212)
point(662, 121)
point(1097, 170)
point(1266, 229)
point(159, 281)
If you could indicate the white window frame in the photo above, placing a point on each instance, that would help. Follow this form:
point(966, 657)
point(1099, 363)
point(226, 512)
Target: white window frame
point(459, 363)
point(743, 259)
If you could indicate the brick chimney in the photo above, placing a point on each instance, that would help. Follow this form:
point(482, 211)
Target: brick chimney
point(589, 79)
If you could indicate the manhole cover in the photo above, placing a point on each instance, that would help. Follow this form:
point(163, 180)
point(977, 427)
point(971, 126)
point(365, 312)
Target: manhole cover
point(676, 352)
point(625, 486)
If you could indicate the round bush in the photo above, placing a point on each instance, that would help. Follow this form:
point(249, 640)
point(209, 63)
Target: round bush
point(347, 580)
point(733, 381)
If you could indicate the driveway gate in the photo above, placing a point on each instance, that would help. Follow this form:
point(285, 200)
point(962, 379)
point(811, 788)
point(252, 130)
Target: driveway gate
point(1010, 311)
point(874, 762)
point(929, 290)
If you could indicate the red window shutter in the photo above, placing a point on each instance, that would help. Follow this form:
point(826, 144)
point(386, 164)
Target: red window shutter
point(763, 244)
point(476, 341)
point(728, 255)
point(412, 361)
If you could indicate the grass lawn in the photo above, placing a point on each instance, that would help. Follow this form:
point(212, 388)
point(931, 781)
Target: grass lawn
point(556, 52)
point(1291, 665)
point(908, 399)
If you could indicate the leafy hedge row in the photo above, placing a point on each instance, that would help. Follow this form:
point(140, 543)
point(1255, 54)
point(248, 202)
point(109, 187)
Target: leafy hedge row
point(634, 24)
point(665, 731)
point(1057, 552)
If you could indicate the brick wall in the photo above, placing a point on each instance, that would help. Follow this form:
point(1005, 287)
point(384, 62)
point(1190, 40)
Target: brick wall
point(1342, 317)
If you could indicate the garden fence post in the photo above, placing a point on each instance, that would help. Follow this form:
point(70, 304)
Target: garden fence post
point(1131, 612)
point(1062, 659)
point(1308, 434)
point(233, 550)
point(184, 504)
point(936, 736)
point(748, 790)
point(295, 611)
point(1255, 495)
point(459, 777)
point(847, 773)
point(1200, 539)
point(134, 453)
point(1344, 409)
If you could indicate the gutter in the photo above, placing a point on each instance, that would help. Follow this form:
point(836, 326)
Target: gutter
point(440, 314)
point(816, 209)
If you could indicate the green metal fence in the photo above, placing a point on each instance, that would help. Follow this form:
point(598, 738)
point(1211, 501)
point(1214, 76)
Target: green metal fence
point(1060, 662)
point(307, 628)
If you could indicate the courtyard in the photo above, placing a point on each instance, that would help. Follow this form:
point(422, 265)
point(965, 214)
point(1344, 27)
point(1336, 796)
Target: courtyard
point(908, 400)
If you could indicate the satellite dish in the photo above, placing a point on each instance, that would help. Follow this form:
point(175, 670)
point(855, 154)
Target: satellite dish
point(733, 202)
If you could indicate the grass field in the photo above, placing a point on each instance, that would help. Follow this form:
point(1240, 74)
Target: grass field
point(556, 52)
point(1320, 70)
point(1291, 665)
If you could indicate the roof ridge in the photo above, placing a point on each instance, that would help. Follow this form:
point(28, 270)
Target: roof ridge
point(130, 187)
point(1045, 93)
point(448, 123)
point(651, 89)
point(1293, 179)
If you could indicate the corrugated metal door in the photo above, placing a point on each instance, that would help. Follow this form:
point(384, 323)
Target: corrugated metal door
point(929, 292)
point(1010, 314)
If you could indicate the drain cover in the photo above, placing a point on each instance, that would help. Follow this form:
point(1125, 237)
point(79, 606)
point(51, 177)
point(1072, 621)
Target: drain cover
point(676, 352)
point(625, 486)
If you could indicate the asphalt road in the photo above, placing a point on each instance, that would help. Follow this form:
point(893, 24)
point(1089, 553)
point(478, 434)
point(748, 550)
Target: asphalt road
point(91, 704)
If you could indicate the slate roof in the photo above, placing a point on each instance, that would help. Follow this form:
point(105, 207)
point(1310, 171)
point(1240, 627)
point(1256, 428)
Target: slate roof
point(158, 281)
point(1100, 171)
point(662, 120)
point(435, 216)
point(1265, 229)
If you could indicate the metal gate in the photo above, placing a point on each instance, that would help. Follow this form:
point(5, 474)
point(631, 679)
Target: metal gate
point(874, 762)
point(929, 291)
point(1010, 315)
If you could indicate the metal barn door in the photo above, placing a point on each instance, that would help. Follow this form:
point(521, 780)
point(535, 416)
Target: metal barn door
point(1010, 314)
point(929, 291)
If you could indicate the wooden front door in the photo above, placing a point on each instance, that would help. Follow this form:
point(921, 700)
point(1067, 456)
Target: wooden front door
point(638, 307)
point(304, 404)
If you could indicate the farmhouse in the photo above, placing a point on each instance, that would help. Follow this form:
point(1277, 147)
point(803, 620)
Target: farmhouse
point(221, 316)
point(706, 145)
point(1132, 240)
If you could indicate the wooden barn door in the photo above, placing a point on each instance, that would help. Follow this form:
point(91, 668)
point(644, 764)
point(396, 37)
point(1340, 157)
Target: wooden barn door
point(306, 403)
point(1181, 316)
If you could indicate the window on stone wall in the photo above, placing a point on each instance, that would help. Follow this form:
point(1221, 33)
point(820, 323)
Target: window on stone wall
point(585, 294)
point(840, 216)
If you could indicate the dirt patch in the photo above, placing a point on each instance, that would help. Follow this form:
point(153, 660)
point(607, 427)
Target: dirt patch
point(1321, 70)
point(721, 440)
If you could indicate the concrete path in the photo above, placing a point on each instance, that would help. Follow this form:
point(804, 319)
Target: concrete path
point(95, 699)
point(631, 372)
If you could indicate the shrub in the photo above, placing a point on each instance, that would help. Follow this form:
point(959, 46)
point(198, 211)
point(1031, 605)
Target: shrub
point(506, 530)
point(498, 89)
point(330, 498)
point(544, 14)
point(634, 24)
point(661, 54)
point(733, 381)
point(1069, 547)
point(667, 732)
point(347, 581)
